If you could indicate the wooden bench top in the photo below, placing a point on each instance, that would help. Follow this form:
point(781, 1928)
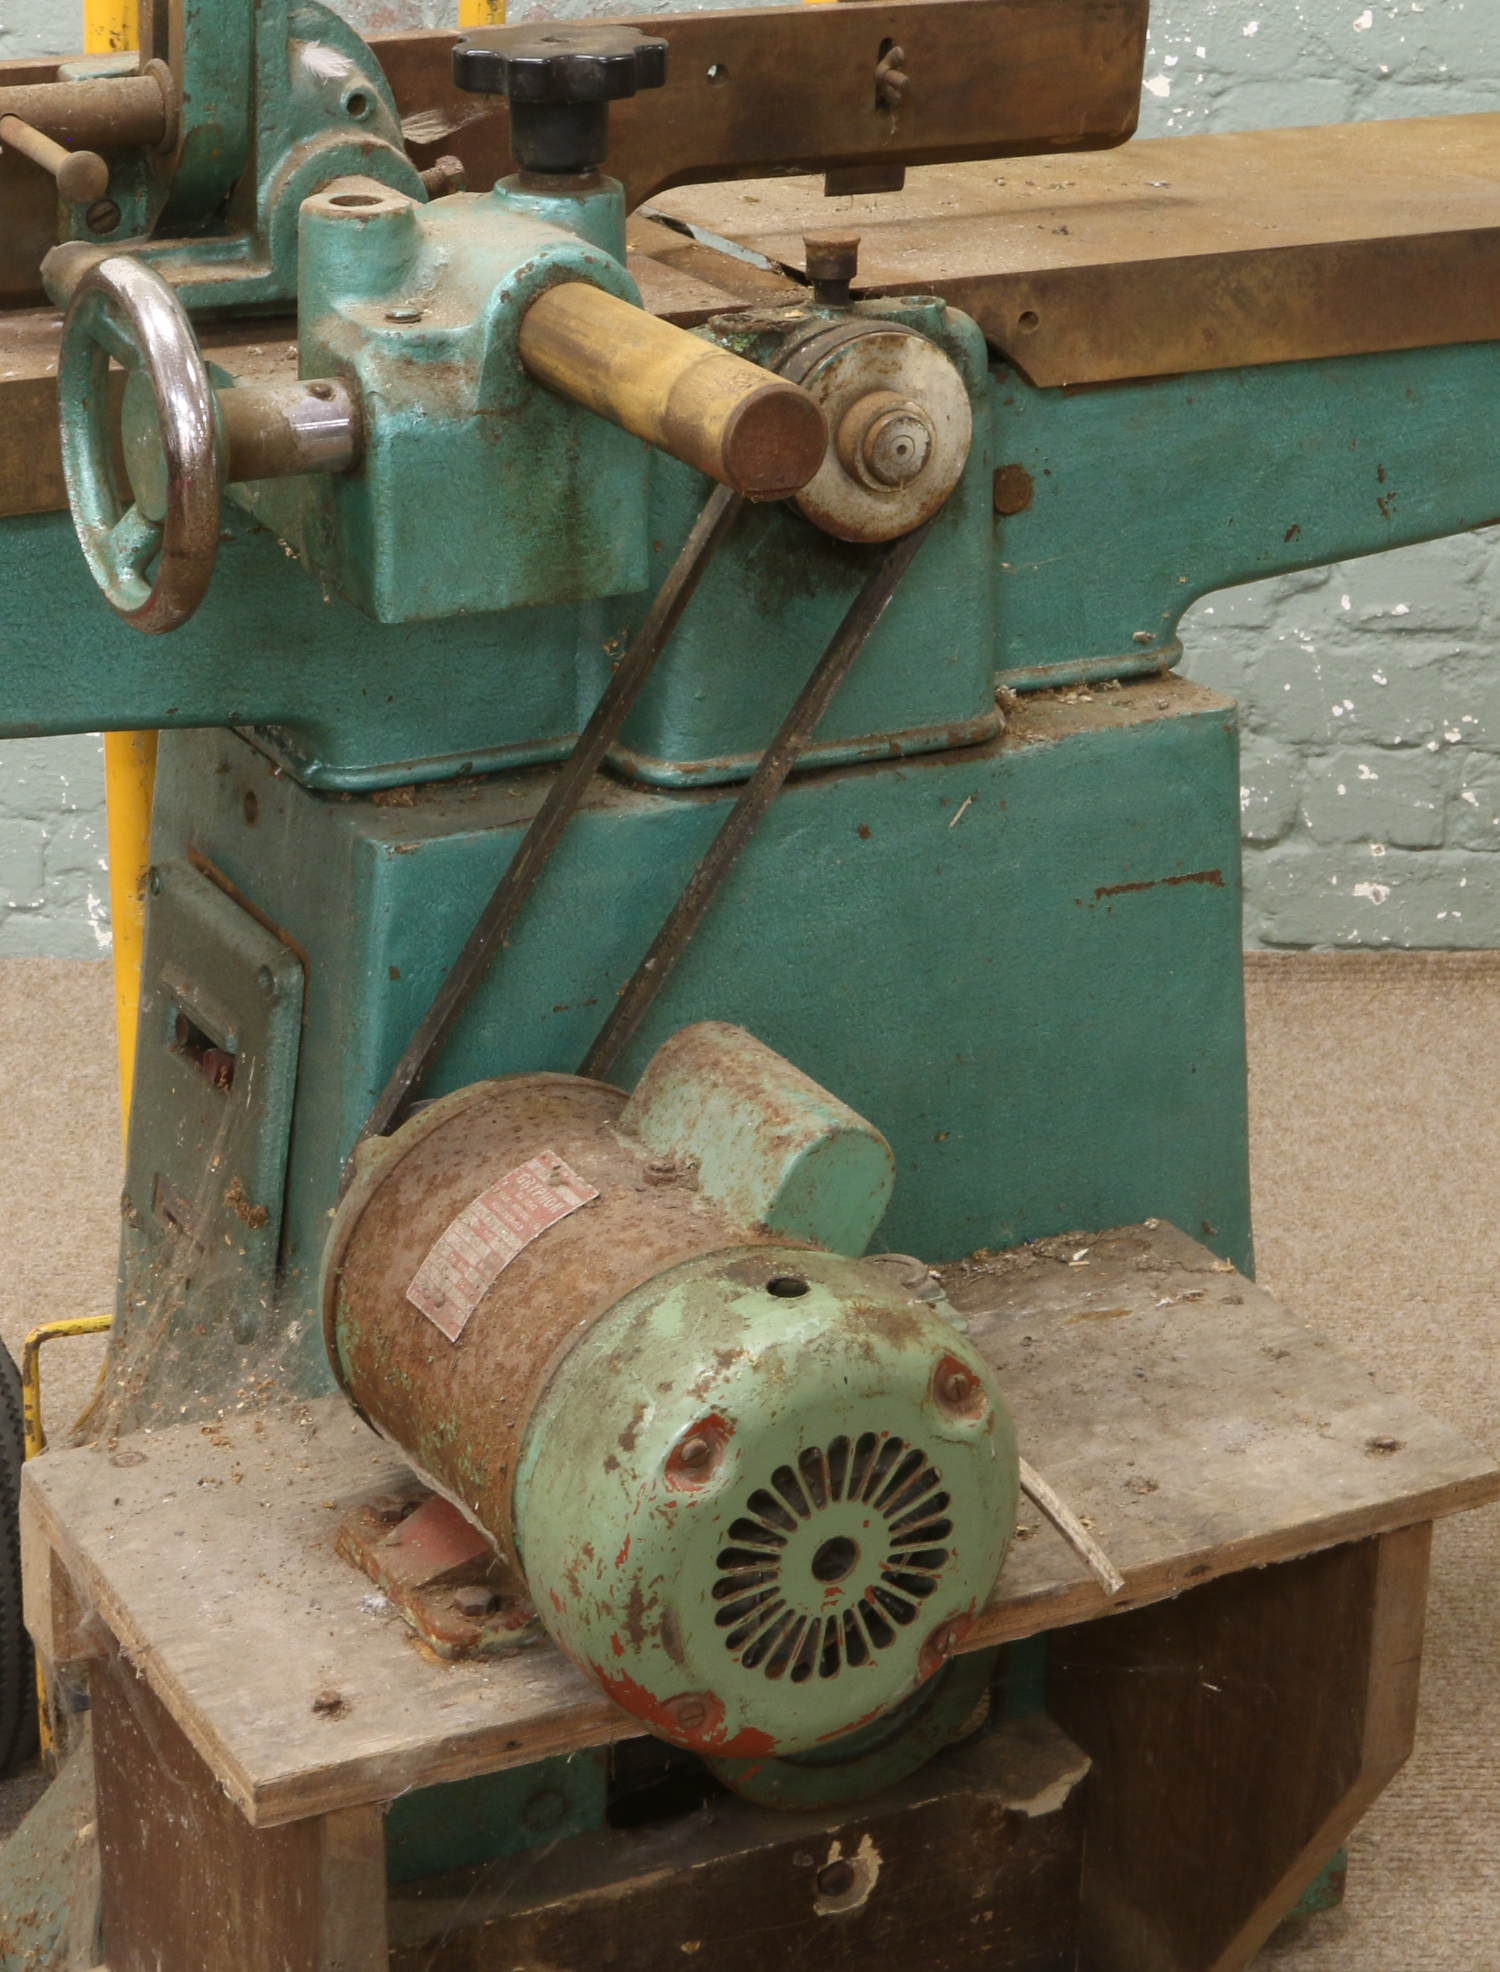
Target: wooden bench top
point(1174, 253)
point(1177, 1407)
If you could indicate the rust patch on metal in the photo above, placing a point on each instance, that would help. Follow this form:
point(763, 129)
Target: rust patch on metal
point(1214, 878)
point(460, 1410)
point(1015, 490)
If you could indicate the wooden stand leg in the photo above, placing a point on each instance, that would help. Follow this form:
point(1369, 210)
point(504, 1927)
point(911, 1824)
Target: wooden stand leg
point(1238, 1734)
point(189, 1886)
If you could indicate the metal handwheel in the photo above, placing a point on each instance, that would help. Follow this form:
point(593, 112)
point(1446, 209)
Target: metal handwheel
point(123, 309)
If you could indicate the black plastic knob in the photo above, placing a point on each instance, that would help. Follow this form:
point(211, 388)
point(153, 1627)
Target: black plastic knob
point(560, 80)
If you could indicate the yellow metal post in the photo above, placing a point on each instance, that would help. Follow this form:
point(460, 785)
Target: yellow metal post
point(129, 778)
point(109, 26)
point(481, 13)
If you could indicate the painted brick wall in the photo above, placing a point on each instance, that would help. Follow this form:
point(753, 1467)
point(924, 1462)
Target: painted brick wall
point(1370, 692)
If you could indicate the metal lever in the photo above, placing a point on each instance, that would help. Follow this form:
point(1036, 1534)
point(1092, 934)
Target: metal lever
point(82, 176)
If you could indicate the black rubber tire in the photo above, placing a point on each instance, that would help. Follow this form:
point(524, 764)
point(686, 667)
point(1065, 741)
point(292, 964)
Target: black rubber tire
point(18, 1728)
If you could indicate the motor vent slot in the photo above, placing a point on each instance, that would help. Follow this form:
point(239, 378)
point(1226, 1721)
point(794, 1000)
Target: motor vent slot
point(832, 1557)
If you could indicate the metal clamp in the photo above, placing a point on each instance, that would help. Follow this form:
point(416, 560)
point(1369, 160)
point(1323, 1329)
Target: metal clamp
point(122, 309)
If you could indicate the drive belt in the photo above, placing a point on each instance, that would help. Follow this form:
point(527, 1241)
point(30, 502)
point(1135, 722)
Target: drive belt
point(568, 790)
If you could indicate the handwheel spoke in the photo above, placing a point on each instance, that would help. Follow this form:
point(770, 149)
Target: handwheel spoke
point(134, 541)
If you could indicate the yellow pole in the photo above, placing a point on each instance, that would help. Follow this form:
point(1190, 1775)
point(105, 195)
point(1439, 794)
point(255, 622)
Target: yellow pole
point(481, 13)
point(129, 758)
point(109, 26)
point(129, 778)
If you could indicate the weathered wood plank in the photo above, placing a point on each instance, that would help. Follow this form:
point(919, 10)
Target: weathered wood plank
point(1238, 1734)
point(189, 1886)
point(972, 1865)
point(1195, 1425)
point(1244, 1440)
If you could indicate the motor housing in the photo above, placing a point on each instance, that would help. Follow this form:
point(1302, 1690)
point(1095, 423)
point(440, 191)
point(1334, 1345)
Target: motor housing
point(755, 1486)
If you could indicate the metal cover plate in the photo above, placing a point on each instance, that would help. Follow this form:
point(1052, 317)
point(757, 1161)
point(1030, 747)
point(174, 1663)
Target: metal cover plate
point(1176, 254)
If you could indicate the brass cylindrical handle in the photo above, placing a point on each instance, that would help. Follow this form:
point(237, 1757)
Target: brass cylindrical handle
point(82, 176)
point(751, 431)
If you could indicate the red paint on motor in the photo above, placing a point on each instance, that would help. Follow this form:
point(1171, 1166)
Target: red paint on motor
point(660, 1715)
point(696, 1456)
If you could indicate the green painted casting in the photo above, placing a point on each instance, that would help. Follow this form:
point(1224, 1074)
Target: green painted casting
point(768, 1144)
point(477, 491)
point(862, 1763)
point(279, 97)
point(1149, 495)
point(790, 1587)
point(463, 1823)
point(1138, 516)
point(1046, 1028)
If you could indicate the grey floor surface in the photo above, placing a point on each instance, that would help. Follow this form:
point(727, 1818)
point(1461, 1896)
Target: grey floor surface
point(1375, 1123)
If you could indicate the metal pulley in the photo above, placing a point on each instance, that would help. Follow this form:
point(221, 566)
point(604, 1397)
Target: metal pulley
point(899, 418)
point(756, 1487)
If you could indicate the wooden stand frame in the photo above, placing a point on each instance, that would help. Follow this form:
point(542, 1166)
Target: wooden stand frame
point(1242, 1701)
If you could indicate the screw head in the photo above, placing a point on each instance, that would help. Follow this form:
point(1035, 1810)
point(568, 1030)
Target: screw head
point(957, 1390)
point(942, 1644)
point(693, 1712)
point(103, 216)
point(696, 1456)
point(403, 314)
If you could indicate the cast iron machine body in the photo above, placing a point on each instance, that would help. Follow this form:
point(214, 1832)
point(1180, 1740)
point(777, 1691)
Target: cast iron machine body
point(481, 610)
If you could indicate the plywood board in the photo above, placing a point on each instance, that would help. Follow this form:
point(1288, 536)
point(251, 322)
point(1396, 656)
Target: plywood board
point(1198, 1427)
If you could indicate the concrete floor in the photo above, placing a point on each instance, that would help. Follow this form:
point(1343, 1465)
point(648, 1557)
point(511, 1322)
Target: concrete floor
point(1375, 1127)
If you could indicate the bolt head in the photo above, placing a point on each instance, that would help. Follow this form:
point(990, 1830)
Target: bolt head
point(696, 1452)
point(897, 447)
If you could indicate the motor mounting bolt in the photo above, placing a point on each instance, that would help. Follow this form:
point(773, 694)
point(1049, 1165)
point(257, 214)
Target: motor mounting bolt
point(695, 1453)
point(473, 1600)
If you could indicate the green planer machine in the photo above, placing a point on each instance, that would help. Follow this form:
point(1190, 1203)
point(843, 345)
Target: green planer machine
point(687, 1376)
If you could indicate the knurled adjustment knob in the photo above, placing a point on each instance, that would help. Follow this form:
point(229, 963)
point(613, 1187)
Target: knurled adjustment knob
point(560, 79)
